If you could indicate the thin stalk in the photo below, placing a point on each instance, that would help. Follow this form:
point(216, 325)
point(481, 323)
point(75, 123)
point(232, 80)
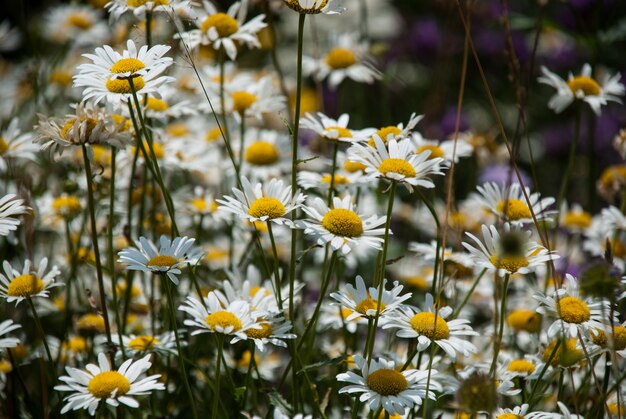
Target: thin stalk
point(498, 342)
point(279, 298)
point(469, 294)
point(218, 363)
point(40, 330)
point(242, 143)
point(331, 186)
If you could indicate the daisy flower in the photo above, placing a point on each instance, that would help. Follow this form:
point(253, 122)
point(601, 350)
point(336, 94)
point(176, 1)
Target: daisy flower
point(225, 30)
point(99, 383)
point(274, 329)
point(140, 8)
point(382, 384)
point(574, 314)
point(269, 202)
point(109, 74)
point(264, 153)
point(211, 317)
point(509, 203)
point(396, 132)
point(15, 145)
point(329, 7)
point(363, 301)
point(321, 180)
point(80, 25)
point(165, 343)
point(508, 253)
point(397, 162)
point(574, 219)
point(443, 149)
point(596, 93)
point(251, 98)
point(6, 327)
point(348, 59)
point(431, 326)
point(10, 207)
point(517, 412)
point(167, 259)
point(342, 226)
point(334, 129)
point(605, 340)
point(18, 285)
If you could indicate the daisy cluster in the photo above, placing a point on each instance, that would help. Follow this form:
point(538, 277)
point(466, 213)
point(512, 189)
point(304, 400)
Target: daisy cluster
point(313, 208)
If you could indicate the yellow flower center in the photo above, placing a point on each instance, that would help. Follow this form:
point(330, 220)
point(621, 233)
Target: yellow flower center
point(224, 24)
point(90, 323)
point(399, 166)
point(143, 343)
point(384, 132)
point(25, 286)
point(267, 207)
point(263, 332)
point(418, 282)
point(5, 366)
point(339, 180)
point(79, 21)
point(521, 366)
point(424, 324)
point(577, 219)
point(90, 125)
point(295, 5)
point(342, 132)
point(177, 130)
point(75, 344)
point(137, 3)
point(513, 209)
point(201, 206)
point(573, 310)
point(213, 135)
point(387, 382)
point(584, 84)
point(105, 383)
point(242, 101)
point(339, 58)
point(354, 166)
point(435, 151)
point(509, 263)
point(3, 146)
point(615, 410)
point(162, 261)
point(262, 153)
point(526, 320)
point(222, 319)
point(156, 147)
point(157, 105)
point(509, 416)
point(66, 205)
point(600, 338)
point(122, 86)
point(122, 121)
point(127, 65)
point(254, 290)
point(566, 355)
point(343, 222)
point(369, 304)
point(61, 77)
point(19, 352)
point(246, 358)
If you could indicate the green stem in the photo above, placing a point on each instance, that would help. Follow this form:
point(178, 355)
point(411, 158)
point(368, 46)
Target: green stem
point(498, 342)
point(331, 186)
point(40, 330)
point(218, 363)
point(469, 293)
point(279, 298)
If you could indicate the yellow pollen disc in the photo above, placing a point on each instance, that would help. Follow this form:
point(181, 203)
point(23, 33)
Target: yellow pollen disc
point(25, 286)
point(122, 86)
point(342, 132)
point(213, 135)
point(387, 382)
point(398, 166)
point(222, 319)
point(526, 320)
point(158, 152)
point(339, 180)
point(80, 21)
point(267, 207)
point(509, 263)
point(245, 359)
point(76, 344)
point(346, 312)
point(254, 290)
point(177, 130)
point(157, 105)
point(162, 261)
point(263, 332)
point(143, 343)
point(90, 323)
point(424, 324)
point(521, 365)
point(509, 416)
point(61, 77)
point(224, 24)
point(339, 58)
point(19, 352)
point(67, 205)
point(566, 355)
point(600, 338)
point(369, 304)
point(105, 383)
point(199, 204)
point(435, 151)
point(91, 124)
point(577, 219)
point(584, 84)
point(136, 3)
point(127, 65)
point(384, 132)
point(515, 209)
point(615, 410)
point(573, 310)
point(5, 366)
point(242, 101)
point(3, 146)
point(354, 166)
point(122, 121)
point(262, 153)
point(343, 222)
point(418, 282)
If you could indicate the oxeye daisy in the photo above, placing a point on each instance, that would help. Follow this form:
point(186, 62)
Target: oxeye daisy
point(574, 314)
point(509, 252)
point(381, 384)
point(363, 301)
point(212, 317)
point(274, 330)
point(574, 218)
point(167, 259)
point(15, 145)
point(443, 149)
point(509, 203)
point(165, 343)
point(329, 7)
point(79, 25)
point(334, 129)
point(396, 132)
point(98, 383)
point(321, 180)
point(264, 154)
point(518, 412)
point(18, 285)
point(10, 207)
point(396, 161)
point(140, 8)
point(6, 327)
point(109, 74)
point(342, 226)
point(430, 326)
point(269, 203)
point(251, 98)
point(596, 93)
point(605, 340)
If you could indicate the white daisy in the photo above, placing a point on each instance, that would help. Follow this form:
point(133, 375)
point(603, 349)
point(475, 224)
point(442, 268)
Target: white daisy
point(573, 313)
point(165, 343)
point(516, 412)
point(596, 93)
point(79, 25)
point(397, 162)
point(564, 414)
point(246, 97)
point(342, 226)
point(509, 203)
point(334, 129)
point(16, 145)
point(18, 285)
point(140, 8)
point(167, 259)
point(99, 383)
point(6, 327)
point(320, 181)
point(274, 329)
point(363, 301)
point(329, 7)
point(264, 154)
point(604, 341)
point(10, 207)
point(381, 384)
point(397, 132)
point(269, 202)
point(443, 149)
point(430, 326)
